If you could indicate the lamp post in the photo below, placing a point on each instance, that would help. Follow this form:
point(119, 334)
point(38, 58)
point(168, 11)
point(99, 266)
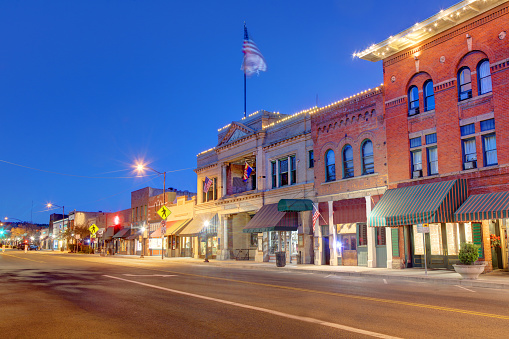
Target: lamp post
point(140, 168)
point(206, 227)
point(49, 205)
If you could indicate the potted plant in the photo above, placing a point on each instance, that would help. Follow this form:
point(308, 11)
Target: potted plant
point(468, 255)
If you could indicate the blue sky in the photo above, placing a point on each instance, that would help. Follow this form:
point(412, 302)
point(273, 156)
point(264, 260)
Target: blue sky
point(88, 87)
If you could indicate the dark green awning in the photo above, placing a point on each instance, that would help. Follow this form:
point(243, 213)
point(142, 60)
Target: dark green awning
point(435, 202)
point(294, 205)
point(483, 207)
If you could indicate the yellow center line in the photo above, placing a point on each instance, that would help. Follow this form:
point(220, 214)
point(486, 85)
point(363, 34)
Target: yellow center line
point(342, 295)
point(14, 256)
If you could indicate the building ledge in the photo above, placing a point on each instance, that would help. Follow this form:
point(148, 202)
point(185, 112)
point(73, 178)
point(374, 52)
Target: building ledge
point(352, 178)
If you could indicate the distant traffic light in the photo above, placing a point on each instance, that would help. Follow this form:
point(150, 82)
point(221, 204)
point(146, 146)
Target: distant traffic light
point(117, 220)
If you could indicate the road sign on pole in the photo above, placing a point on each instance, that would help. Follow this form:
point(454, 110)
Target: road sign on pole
point(164, 212)
point(93, 228)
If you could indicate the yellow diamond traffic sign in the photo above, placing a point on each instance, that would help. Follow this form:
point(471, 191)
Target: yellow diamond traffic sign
point(164, 212)
point(92, 236)
point(93, 229)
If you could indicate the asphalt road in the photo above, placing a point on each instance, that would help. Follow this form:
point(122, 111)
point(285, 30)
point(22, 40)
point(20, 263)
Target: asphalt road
point(54, 295)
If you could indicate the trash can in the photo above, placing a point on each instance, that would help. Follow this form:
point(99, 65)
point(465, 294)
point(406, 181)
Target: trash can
point(280, 259)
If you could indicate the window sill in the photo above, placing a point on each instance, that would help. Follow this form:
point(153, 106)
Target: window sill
point(349, 179)
point(423, 114)
point(472, 99)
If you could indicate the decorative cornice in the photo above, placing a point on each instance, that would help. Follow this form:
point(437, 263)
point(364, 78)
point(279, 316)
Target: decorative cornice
point(201, 169)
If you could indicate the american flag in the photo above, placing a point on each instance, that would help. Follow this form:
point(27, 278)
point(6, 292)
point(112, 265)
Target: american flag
point(254, 62)
point(207, 184)
point(315, 216)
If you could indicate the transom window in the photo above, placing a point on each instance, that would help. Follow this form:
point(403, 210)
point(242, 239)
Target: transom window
point(484, 76)
point(368, 163)
point(429, 96)
point(347, 162)
point(487, 125)
point(465, 84)
point(431, 139)
point(415, 142)
point(330, 166)
point(467, 129)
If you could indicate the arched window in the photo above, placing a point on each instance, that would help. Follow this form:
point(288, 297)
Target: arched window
point(330, 166)
point(484, 76)
point(347, 162)
point(413, 101)
point(464, 84)
point(429, 96)
point(368, 163)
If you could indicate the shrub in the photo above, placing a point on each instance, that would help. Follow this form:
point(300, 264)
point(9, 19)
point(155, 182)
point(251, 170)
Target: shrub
point(469, 253)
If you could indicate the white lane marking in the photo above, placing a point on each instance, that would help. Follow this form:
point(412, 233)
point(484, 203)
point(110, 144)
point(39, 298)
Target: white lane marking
point(385, 281)
point(265, 310)
point(464, 288)
point(150, 275)
point(327, 276)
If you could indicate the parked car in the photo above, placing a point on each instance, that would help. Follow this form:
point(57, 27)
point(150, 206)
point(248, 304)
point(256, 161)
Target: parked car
point(21, 246)
point(33, 247)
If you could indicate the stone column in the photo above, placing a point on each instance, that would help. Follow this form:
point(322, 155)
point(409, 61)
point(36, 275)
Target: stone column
point(371, 236)
point(318, 239)
point(333, 239)
point(388, 242)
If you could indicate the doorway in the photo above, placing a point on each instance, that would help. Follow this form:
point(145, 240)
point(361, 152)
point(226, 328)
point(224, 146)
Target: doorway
point(349, 249)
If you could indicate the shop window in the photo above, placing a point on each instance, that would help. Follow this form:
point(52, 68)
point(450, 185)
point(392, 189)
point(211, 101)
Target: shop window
point(429, 96)
point(464, 84)
point(490, 149)
point(484, 77)
point(254, 239)
point(330, 166)
point(469, 154)
point(487, 125)
point(347, 162)
point(363, 234)
point(311, 159)
point(453, 238)
point(368, 163)
point(432, 161)
point(380, 236)
point(274, 174)
point(431, 139)
point(416, 163)
point(418, 241)
point(435, 233)
point(413, 101)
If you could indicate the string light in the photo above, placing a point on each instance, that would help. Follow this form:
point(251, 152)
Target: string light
point(210, 149)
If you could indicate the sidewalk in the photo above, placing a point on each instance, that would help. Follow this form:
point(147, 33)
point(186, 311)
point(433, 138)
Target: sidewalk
point(496, 279)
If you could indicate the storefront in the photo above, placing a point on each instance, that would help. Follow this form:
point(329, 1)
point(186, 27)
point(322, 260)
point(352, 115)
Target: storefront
point(488, 217)
point(279, 231)
point(199, 236)
point(178, 246)
point(405, 210)
point(121, 244)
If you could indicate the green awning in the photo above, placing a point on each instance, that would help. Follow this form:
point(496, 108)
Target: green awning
point(268, 218)
point(435, 202)
point(294, 205)
point(483, 207)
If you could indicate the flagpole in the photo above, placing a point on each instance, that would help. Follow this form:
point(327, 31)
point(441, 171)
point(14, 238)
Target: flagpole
point(246, 37)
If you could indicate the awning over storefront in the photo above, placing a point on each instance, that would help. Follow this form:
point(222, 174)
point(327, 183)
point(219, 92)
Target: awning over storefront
point(435, 202)
point(108, 234)
point(123, 233)
point(294, 205)
point(135, 235)
point(196, 226)
point(349, 211)
point(156, 234)
point(175, 226)
point(483, 207)
point(269, 218)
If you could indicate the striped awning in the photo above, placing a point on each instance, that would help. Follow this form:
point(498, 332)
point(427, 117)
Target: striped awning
point(435, 202)
point(483, 207)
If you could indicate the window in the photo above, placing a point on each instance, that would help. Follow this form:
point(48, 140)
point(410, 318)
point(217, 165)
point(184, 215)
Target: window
point(311, 159)
point(487, 125)
point(490, 149)
point(274, 175)
point(429, 96)
point(431, 139)
point(368, 163)
point(293, 170)
point(432, 161)
point(469, 153)
point(467, 129)
point(363, 234)
point(380, 236)
point(283, 172)
point(416, 163)
point(415, 142)
point(347, 162)
point(465, 84)
point(211, 194)
point(413, 101)
point(484, 76)
point(330, 166)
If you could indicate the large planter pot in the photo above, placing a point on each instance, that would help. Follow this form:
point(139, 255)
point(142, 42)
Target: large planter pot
point(469, 272)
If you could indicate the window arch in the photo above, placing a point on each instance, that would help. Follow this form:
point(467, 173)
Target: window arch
point(484, 76)
point(368, 162)
point(464, 84)
point(330, 166)
point(429, 96)
point(347, 161)
point(413, 100)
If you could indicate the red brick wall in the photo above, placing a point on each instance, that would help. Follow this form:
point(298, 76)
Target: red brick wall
point(350, 122)
point(451, 45)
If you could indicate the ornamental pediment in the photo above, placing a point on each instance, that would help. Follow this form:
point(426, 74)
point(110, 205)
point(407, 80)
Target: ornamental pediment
point(236, 131)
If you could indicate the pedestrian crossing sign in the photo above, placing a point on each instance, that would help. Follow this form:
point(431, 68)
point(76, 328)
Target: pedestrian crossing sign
point(164, 212)
point(93, 229)
point(92, 236)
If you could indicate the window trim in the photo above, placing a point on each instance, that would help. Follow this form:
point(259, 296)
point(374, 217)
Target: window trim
point(311, 159)
point(460, 92)
point(484, 136)
point(426, 96)
point(413, 109)
point(344, 161)
point(429, 161)
point(329, 177)
point(364, 157)
point(464, 155)
point(479, 87)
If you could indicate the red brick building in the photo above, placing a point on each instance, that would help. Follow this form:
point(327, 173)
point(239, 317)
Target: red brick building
point(350, 168)
point(446, 100)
